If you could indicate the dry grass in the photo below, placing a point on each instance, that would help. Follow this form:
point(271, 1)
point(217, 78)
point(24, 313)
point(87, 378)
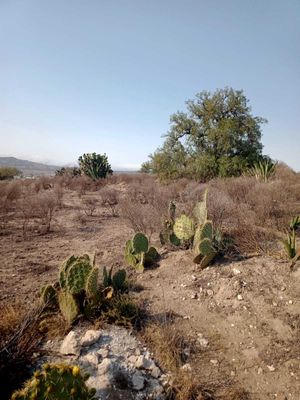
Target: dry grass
point(19, 338)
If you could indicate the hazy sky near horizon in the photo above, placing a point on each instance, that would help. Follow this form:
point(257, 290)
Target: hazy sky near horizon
point(101, 75)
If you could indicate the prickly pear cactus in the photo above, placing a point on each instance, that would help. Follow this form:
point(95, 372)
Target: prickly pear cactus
point(204, 249)
point(91, 285)
point(68, 306)
point(77, 275)
point(119, 279)
point(200, 210)
point(137, 252)
point(49, 295)
point(184, 227)
point(56, 382)
point(140, 243)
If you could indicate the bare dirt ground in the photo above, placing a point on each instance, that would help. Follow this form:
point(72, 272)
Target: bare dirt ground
point(243, 316)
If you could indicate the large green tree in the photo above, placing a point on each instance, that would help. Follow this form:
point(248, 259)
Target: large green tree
point(217, 136)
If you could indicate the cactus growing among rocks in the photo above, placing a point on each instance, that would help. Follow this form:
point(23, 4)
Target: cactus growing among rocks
point(203, 245)
point(184, 227)
point(138, 254)
point(56, 382)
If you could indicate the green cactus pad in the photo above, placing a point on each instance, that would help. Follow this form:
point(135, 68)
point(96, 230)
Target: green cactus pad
point(206, 247)
point(184, 227)
point(140, 243)
point(91, 285)
point(200, 210)
point(197, 259)
point(206, 260)
point(207, 230)
point(68, 306)
point(48, 295)
point(174, 240)
point(151, 256)
point(56, 382)
point(119, 279)
point(77, 276)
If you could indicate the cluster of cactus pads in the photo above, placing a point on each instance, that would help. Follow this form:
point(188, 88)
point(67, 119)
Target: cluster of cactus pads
point(138, 254)
point(77, 290)
point(56, 382)
point(198, 232)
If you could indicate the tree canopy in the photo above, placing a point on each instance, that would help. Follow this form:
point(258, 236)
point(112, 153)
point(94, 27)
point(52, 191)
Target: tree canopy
point(217, 136)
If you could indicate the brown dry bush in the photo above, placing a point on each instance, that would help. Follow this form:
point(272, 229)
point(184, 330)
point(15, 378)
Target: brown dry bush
point(19, 338)
point(89, 205)
point(170, 348)
point(110, 200)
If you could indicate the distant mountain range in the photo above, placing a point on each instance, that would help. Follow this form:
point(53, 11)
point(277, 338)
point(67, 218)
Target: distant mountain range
point(28, 168)
point(31, 168)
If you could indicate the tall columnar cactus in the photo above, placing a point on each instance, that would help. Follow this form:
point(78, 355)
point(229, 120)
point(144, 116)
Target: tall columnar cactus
point(138, 254)
point(56, 382)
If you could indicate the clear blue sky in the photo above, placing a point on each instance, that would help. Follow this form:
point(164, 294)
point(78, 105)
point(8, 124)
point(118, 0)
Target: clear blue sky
point(104, 75)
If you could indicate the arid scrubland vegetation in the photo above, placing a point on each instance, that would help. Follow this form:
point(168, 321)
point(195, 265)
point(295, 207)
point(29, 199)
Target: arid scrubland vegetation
point(198, 256)
point(174, 302)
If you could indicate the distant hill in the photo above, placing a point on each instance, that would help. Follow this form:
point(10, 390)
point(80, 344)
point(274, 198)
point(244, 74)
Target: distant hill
point(28, 168)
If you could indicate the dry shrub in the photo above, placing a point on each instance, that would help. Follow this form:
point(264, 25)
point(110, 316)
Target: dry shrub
point(36, 211)
point(19, 337)
point(140, 217)
point(170, 348)
point(110, 200)
point(89, 205)
point(82, 184)
point(10, 192)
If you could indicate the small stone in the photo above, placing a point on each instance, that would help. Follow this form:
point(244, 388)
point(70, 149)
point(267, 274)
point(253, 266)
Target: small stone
point(90, 359)
point(103, 353)
point(274, 304)
point(194, 278)
point(105, 366)
point(282, 288)
point(186, 367)
point(194, 296)
point(214, 362)
point(236, 271)
point(138, 381)
point(132, 359)
point(239, 297)
point(271, 368)
point(232, 373)
point(203, 342)
point(259, 371)
point(290, 301)
point(90, 337)
point(155, 372)
point(209, 292)
point(143, 362)
point(70, 344)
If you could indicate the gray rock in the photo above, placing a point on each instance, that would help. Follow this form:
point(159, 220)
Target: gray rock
point(90, 337)
point(155, 372)
point(144, 362)
point(70, 344)
point(105, 366)
point(138, 381)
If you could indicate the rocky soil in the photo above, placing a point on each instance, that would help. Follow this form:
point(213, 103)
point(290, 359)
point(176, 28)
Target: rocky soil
point(120, 367)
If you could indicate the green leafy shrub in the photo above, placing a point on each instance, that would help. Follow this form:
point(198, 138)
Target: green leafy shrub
point(138, 254)
point(8, 173)
point(96, 166)
point(56, 382)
